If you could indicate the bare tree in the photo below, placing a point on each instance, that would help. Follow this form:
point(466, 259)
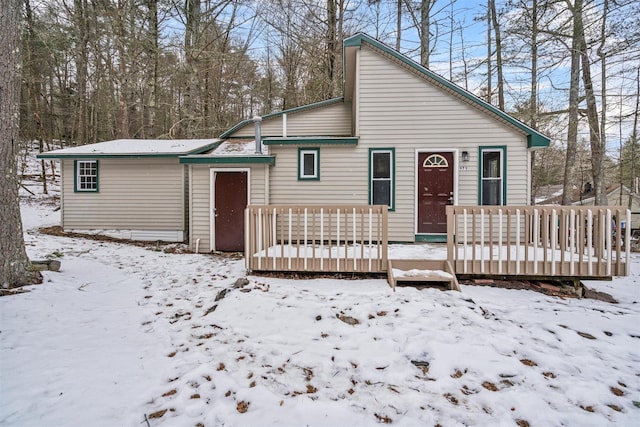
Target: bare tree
point(574, 87)
point(15, 267)
point(498, 38)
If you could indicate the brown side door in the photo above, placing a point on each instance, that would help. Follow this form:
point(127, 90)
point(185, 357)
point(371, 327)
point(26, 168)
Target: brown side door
point(435, 190)
point(230, 200)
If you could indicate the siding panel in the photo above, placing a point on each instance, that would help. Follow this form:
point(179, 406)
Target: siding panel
point(329, 120)
point(135, 194)
point(401, 109)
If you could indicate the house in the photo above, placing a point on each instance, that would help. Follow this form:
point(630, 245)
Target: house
point(400, 135)
point(617, 195)
point(133, 189)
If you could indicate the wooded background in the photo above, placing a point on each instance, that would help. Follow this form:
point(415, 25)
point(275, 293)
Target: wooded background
point(96, 70)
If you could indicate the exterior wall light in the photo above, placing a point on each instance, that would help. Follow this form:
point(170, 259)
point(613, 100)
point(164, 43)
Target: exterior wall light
point(465, 156)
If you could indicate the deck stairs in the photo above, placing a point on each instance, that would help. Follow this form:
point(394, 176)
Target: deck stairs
point(419, 272)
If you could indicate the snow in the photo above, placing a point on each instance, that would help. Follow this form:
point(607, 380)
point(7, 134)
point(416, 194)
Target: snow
point(232, 147)
point(415, 272)
point(123, 331)
point(136, 146)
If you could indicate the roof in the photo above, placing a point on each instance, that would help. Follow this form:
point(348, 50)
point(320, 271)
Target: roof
point(124, 148)
point(534, 138)
point(244, 123)
point(230, 151)
point(612, 191)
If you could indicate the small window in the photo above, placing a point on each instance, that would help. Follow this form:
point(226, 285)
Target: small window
point(381, 171)
point(86, 175)
point(309, 164)
point(492, 176)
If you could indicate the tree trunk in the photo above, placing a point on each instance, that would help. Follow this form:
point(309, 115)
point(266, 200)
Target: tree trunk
point(81, 29)
point(633, 187)
point(152, 79)
point(597, 176)
point(398, 25)
point(331, 45)
point(15, 268)
point(574, 86)
point(489, 54)
point(533, 96)
point(498, 39)
point(425, 35)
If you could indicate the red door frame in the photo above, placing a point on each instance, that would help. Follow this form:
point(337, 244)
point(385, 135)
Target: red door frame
point(454, 189)
point(212, 199)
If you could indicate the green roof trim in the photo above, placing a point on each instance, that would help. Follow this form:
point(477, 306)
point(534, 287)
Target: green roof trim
point(269, 160)
point(534, 138)
point(311, 140)
point(246, 122)
point(108, 156)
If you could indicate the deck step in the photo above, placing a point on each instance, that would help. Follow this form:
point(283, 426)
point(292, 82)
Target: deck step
point(437, 273)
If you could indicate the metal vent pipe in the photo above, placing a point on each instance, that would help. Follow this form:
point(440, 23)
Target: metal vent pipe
point(258, 121)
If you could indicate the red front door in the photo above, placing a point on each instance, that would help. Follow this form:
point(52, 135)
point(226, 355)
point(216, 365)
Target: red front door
point(230, 200)
point(435, 191)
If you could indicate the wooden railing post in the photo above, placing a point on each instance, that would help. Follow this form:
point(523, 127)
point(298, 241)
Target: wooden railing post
point(451, 235)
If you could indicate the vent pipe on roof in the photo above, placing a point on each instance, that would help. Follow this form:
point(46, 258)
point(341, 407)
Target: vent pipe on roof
point(258, 121)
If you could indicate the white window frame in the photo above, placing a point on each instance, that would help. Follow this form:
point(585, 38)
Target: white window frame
point(83, 181)
point(391, 178)
point(500, 179)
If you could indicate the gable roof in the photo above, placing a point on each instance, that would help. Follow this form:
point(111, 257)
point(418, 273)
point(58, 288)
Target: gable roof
point(246, 122)
point(534, 138)
point(124, 148)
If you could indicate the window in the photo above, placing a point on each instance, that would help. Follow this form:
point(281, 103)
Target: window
point(309, 164)
point(86, 175)
point(492, 179)
point(435, 161)
point(381, 173)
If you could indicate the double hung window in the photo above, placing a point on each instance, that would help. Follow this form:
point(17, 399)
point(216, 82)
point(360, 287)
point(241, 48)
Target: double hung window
point(86, 174)
point(492, 182)
point(381, 176)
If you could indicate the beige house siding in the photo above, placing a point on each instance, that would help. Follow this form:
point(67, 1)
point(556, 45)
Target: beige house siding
point(134, 194)
point(200, 193)
point(402, 110)
point(329, 120)
point(343, 177)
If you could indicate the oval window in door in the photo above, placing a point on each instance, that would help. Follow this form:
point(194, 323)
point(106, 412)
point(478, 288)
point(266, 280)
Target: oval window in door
point(435, 161)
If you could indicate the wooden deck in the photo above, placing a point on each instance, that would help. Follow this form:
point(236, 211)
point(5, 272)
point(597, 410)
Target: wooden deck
point(525, 241)
point(324, 239)
point(544, 241)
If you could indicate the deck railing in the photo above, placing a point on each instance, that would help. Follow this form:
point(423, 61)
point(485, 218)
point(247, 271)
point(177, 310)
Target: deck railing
point(316, 238)
point(570, 241)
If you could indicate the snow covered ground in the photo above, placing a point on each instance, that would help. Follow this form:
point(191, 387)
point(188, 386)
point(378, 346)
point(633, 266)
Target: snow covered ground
point(125, 332)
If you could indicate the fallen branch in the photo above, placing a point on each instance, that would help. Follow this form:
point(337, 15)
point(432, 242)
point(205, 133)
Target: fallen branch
point(27, 190)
